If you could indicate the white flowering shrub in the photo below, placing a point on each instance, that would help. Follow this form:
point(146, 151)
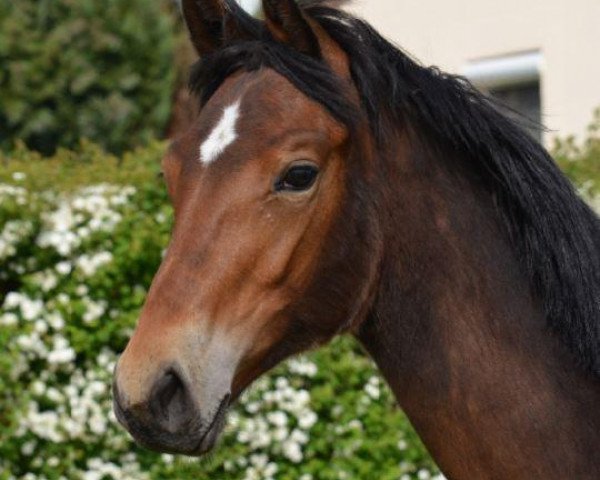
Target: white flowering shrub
point(81, 236)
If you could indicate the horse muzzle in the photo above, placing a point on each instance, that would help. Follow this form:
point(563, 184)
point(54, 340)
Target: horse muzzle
point(170, 420)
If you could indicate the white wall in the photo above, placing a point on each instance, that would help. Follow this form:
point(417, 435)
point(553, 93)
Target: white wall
point(251, 6)
point(450, 34)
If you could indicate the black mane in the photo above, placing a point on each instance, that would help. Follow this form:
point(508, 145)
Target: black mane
point(556, 235)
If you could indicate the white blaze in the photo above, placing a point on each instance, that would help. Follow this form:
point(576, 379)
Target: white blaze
point(222, 136)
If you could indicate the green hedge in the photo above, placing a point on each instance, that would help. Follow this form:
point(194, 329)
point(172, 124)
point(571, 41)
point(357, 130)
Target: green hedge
point(74, 69)
point(78, 256)
point(581, 162)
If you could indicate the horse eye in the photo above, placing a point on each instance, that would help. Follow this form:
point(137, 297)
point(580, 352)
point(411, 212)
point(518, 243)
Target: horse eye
point(298, 178)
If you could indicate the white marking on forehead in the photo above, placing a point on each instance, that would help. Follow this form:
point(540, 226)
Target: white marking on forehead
point(222, 136)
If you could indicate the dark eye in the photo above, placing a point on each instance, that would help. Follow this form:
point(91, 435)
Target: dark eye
point(298, 178)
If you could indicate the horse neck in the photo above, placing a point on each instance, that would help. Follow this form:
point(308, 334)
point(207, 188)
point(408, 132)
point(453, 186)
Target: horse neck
point(463, 343)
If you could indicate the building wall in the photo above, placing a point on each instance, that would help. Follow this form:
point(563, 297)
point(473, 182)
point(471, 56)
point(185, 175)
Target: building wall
point(453, 34)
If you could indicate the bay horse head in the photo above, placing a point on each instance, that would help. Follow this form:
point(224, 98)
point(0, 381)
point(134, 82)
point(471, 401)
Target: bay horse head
point(331, 184)
point(270, 253)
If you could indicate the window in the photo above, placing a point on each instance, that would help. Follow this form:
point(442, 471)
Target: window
point(515, 81)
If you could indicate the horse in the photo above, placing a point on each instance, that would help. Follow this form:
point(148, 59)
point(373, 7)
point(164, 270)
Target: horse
point(331, 185)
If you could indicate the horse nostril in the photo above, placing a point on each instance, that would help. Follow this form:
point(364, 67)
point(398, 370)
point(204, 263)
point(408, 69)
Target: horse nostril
point(170, 388)
point(171, 402)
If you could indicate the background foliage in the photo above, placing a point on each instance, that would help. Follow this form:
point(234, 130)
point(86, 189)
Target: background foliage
point(581, 162)
point(73, 69)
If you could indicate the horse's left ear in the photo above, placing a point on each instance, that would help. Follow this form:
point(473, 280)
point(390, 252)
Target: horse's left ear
point(286, 22)
point(204, 19)
point(238, 25)
point(213, 23)
point(289, 24)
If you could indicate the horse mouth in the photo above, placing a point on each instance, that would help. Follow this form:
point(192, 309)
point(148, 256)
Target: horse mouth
point(209, 439)
point(191, 443)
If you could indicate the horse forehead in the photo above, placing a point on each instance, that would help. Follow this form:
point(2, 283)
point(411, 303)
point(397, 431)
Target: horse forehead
point(242, 95)
point(223, 134)
point(249, 110)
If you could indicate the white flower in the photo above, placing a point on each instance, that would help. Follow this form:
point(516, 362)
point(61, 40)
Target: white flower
point(73, 428)
point(40, 326)
point(46, 280)
point(106, 358)
point(423, 475)
point(55, 320)
point(307, 419)
point(372, 388)
point(94, 310)
point(301, 366)
point(38, 387)
point(9, 319)
point(259, 461)
point(270, 469)
point(243, 436)
point(12, 300)
point(31, 309)
point(92, 475)
point(44, 424)
point(280, 434)
point(19, 194)
point(78, 216)
point(281, 383)
point(27, 448)
point(19, 176)
point(63, 298)
point(279, 419)
point(81, 290)
point(299, 437)
point(61, 351)
point(31, 343)
point(89, 264)
point(64, 268)
point(54, 395)
point(13, 233)
point(301, 397)
point(61, 356)
point(98, 424)
point(292, 451)
point(96, 388)
point(355, 424)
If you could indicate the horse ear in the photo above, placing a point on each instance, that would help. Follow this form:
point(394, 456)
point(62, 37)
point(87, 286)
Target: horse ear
point(286, 22)
point(204, 19)
point(238, 25)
